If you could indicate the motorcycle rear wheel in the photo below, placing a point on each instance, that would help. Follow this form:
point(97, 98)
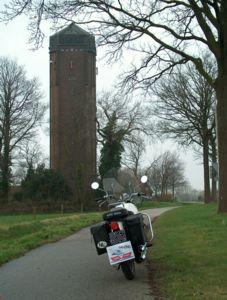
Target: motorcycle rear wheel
point(128, 269)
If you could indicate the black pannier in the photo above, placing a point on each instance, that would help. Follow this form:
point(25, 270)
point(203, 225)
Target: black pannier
point(134, 229)
point(101, 237)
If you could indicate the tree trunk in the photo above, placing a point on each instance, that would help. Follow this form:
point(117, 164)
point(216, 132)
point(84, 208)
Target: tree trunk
point(5, 176)
point(207, 198)
point(6, 161)
point(221, 90)
point(81, 207)
point(163, 190)
point(156, 193)
point(173, 190)
point(214, 175)
point(1, 165)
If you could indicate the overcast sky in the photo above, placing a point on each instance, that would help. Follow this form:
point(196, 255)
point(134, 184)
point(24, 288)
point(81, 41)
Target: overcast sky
point(14, 44)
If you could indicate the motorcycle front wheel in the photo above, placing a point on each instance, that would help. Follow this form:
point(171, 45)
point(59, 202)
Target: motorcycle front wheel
point(128, 269)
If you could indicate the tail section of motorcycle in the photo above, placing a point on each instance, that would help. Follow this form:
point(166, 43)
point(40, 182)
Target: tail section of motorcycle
point(134, 230)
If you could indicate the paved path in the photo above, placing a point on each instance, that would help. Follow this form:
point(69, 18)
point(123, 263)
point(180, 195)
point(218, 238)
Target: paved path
point(70, 269)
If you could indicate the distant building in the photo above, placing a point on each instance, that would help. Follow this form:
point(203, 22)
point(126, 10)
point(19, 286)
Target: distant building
point(73, 108)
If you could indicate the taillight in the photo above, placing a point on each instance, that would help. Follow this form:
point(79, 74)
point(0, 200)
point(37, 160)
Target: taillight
point(114, 226)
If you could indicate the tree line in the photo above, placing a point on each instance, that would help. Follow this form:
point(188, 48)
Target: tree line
point(21, 114)
point(184, 110)
point(164, 33)
point(123, 127)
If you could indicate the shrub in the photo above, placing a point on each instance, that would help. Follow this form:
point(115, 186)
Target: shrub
point(43, 184)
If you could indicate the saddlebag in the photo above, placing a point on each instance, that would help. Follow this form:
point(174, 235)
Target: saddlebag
point(101, 237)
point(134, 229)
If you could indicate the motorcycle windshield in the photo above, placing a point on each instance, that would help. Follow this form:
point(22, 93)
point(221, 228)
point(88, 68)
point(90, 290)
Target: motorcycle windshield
point(121, 183)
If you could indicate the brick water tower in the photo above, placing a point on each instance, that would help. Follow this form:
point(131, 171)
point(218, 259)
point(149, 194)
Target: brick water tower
point(73, 108)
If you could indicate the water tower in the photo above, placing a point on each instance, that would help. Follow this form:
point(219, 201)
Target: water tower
point(73, 108)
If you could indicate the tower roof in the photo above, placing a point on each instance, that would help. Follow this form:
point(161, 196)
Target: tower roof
point(72, 29)
point(73, 35)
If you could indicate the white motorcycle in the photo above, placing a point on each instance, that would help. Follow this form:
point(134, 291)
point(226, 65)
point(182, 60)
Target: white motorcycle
point(125, 234)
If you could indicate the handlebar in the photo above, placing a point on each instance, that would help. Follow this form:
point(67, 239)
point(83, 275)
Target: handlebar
point(138, 194)
point(103, 197)
point(102, 200)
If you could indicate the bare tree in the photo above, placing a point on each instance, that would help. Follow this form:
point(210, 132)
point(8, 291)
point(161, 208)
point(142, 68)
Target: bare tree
point(29, 156)
point(131, 116)
point(133, 155)
point(186, 106)
point(176, 174)
point(166, 173)
point(118, 124)
point(170, 32)
point(154, 174)
point(20, 113)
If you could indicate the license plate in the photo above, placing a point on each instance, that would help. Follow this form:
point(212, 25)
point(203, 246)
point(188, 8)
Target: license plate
point(120, 252)
point(117, 237)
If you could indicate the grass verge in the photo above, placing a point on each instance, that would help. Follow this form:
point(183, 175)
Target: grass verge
point(189, 258)
point(21, 233)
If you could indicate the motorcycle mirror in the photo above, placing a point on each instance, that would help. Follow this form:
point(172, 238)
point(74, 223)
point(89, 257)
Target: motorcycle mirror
point(95, 185)
point(143, 179)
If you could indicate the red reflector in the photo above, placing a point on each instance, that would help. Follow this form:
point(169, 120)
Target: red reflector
point(114, 226)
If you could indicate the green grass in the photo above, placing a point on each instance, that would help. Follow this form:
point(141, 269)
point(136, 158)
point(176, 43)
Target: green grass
point(189, 258)
point(22, 218)
point(21, 233)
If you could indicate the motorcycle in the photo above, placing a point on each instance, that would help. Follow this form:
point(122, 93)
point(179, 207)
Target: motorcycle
point(125, 234)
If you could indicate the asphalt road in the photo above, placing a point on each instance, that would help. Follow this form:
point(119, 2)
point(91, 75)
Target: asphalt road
point(70, 269)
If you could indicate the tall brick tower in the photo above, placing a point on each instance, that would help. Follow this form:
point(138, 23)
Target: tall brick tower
point(73, 108)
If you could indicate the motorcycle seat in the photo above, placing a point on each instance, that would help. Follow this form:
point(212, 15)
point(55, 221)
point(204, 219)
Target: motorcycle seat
point(116, 214)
